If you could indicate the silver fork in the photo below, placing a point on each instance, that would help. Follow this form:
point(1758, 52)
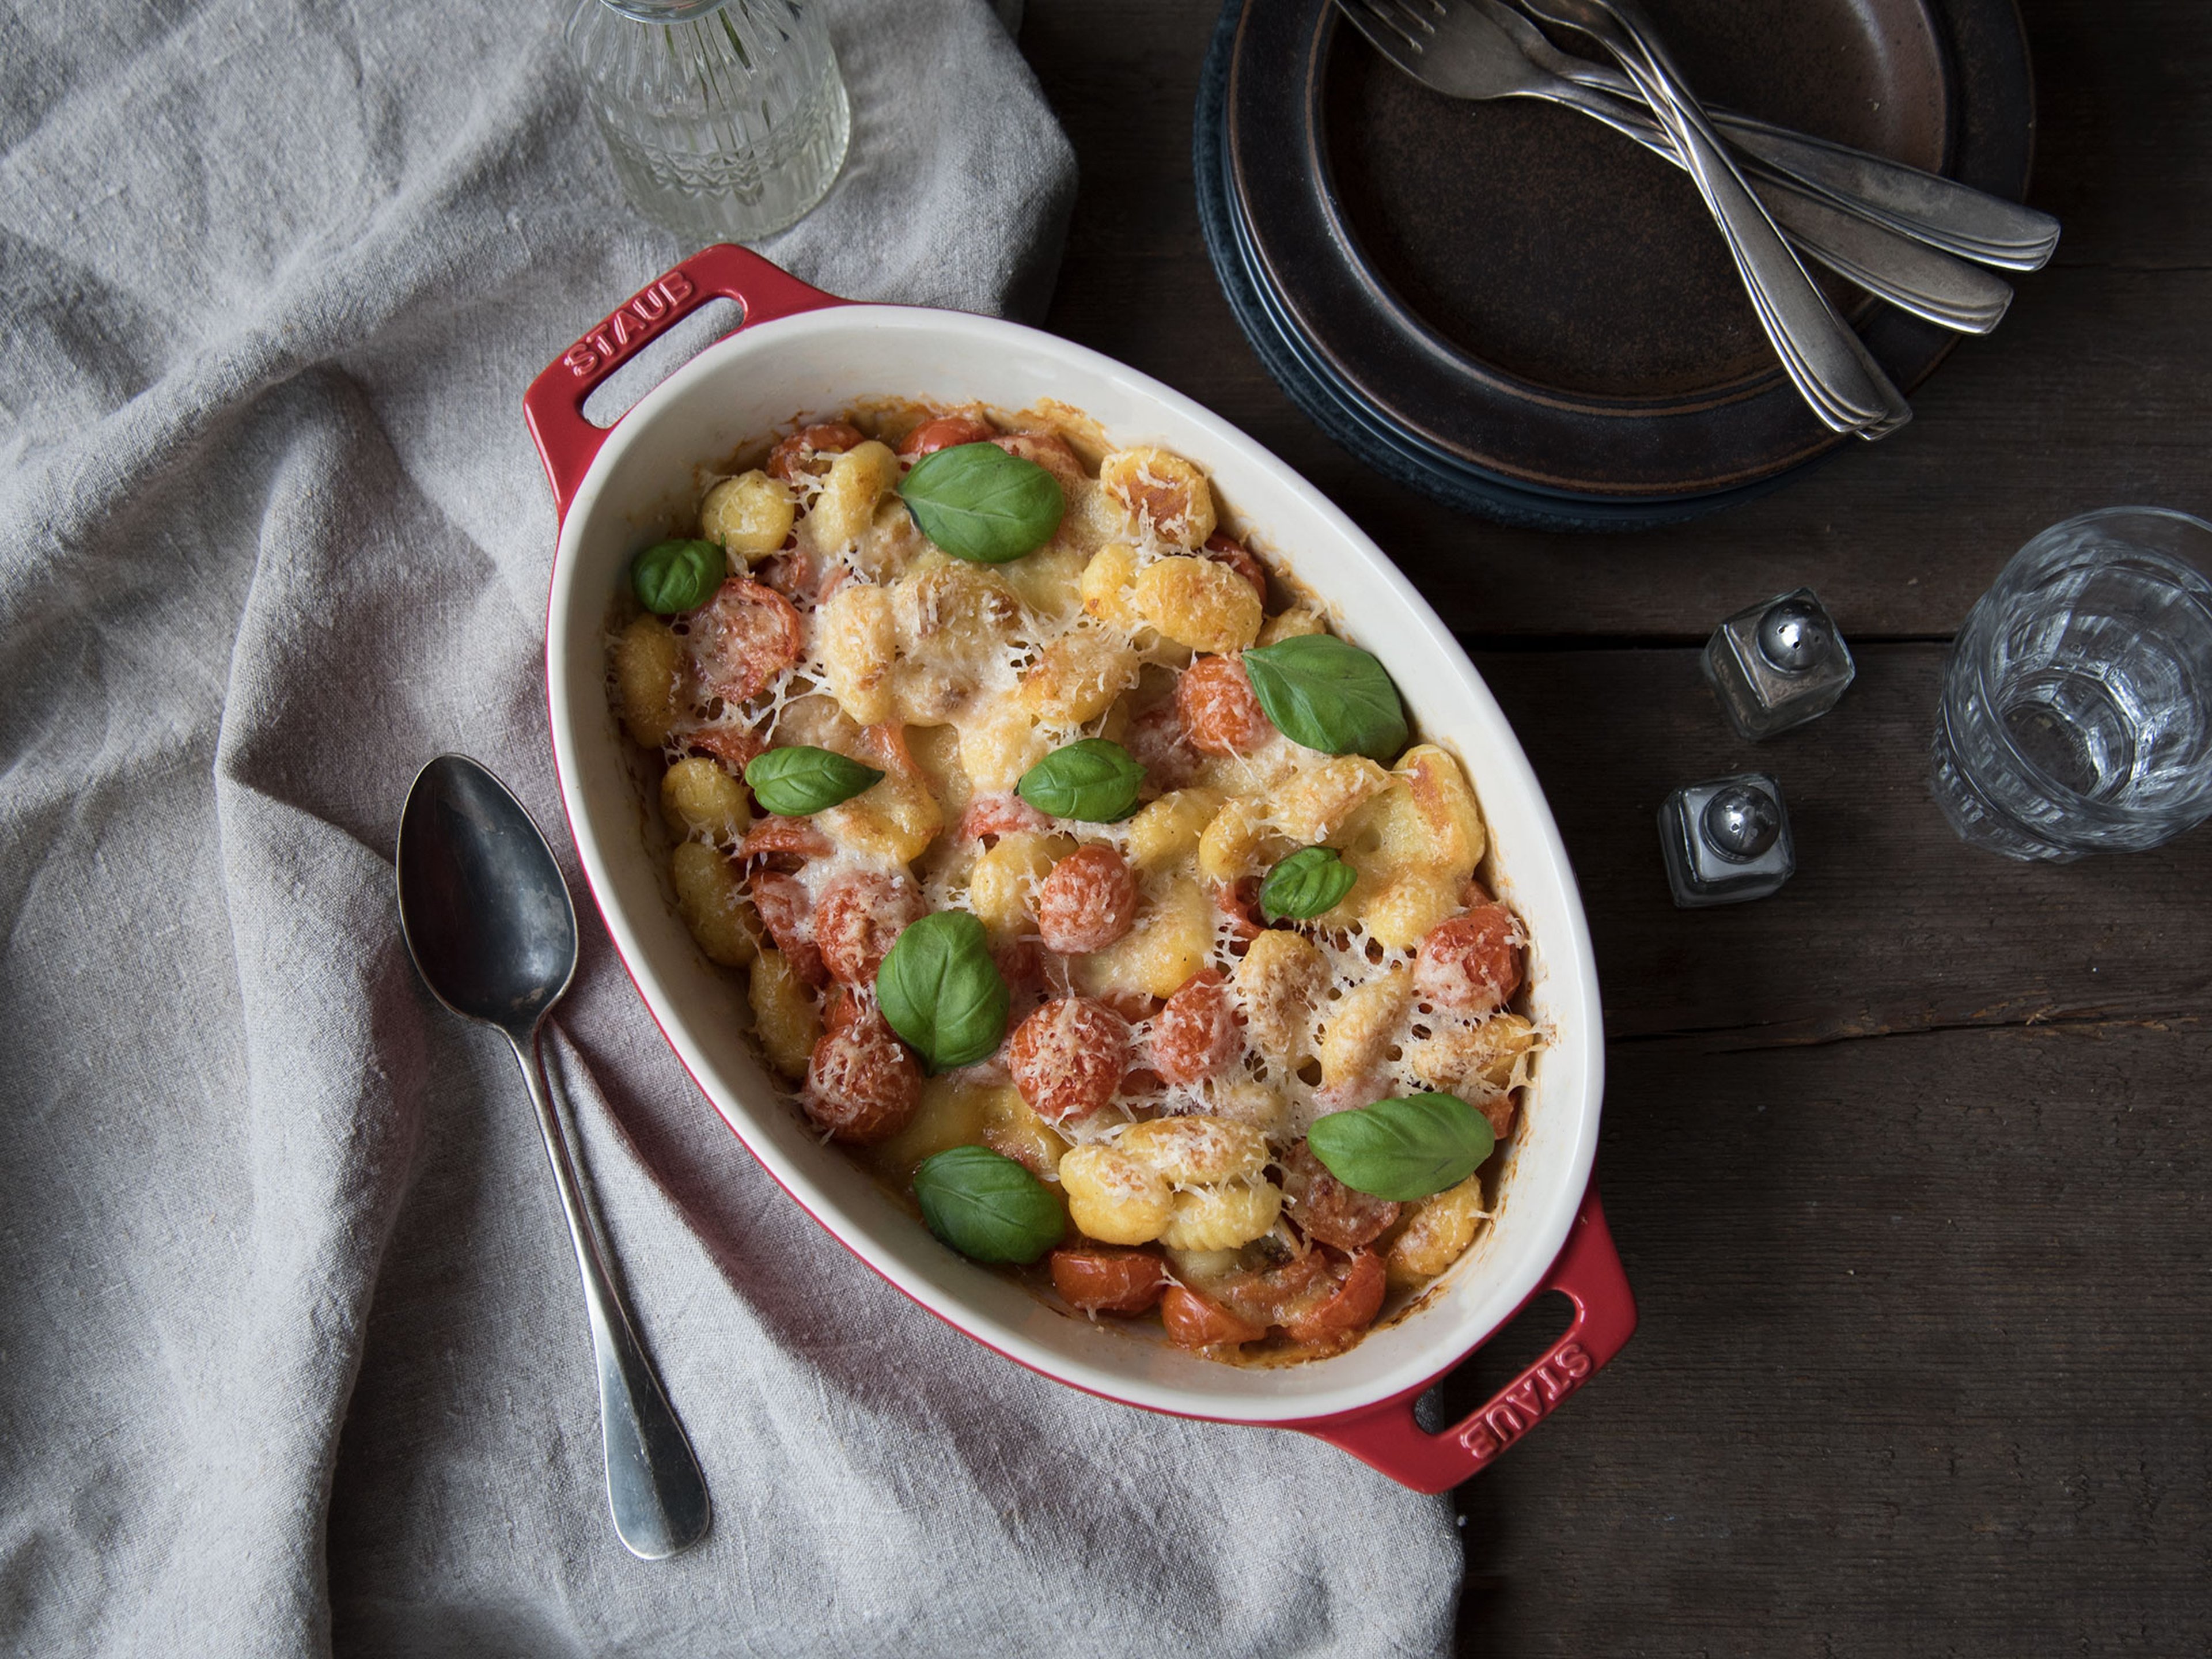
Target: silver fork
point(1476, 55)
point(1824, 360)
point(1925, 206)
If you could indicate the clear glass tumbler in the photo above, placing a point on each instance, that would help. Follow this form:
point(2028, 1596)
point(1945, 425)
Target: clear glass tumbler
point(2076, 713)
point(727, 120)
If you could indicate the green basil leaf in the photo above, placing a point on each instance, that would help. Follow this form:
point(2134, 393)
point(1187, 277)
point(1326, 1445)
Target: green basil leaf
point(1311, 880)
point(794, 781)
point(987, 1206)
point(1403, 1148)
point(1328, 696)
point(673, 577)
point(981, 504)
point(942, 992)
point(1090, 780)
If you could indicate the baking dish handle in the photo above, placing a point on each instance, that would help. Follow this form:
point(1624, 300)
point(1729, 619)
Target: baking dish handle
point(554, 405)
point(1588, 1271)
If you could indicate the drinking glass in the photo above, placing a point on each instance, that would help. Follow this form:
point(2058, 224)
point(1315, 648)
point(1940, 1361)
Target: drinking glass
point(2076, 712)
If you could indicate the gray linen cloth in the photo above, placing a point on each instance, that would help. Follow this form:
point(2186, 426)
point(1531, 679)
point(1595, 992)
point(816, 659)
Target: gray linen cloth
point(295, 1358)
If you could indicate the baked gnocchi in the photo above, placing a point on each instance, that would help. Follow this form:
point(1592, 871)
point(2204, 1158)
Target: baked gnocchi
point(1065, 850)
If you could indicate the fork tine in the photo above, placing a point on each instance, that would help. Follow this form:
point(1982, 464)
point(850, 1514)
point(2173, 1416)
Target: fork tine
point(1407, 15)
point(1384, 33)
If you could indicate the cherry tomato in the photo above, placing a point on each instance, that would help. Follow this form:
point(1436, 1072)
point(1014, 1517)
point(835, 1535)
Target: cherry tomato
point(1047, 449)
point(784, 840)
point(1088, 901)
point(1192, 1322)
point(945, 432)
point(1213, 697)
point(786, 912)
point(859, 916)
point(862, 1085)
point(840, 1009)
point(736, 746)
point(743, 638)
point(1326, 1209)
point(795, 457)
point(1158, 742)
point(1239, 903)
point(1195, 1034)
point(1358, 1299)
point(1068, 1057)
point(999, 815)
point(1471, 962)
point(1095, 1278)
point(1222, 551)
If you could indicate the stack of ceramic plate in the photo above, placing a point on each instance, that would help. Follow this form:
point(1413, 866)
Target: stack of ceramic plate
point(1518, 312)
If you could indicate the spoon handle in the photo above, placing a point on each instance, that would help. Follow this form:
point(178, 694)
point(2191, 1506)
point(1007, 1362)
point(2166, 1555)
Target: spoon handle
point(655, 1487)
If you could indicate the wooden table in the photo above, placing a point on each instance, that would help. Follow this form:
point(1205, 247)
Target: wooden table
point(1909, 1164)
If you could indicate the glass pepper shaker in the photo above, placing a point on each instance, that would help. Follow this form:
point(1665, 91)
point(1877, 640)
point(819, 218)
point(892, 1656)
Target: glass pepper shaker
point(1779, 665)
point(1726, 841)
point(727, 120)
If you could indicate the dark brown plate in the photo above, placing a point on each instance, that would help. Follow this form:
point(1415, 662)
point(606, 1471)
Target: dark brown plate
point(1534, 300)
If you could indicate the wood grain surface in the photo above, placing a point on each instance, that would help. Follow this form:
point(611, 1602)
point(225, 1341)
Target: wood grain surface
point(1910, 1164)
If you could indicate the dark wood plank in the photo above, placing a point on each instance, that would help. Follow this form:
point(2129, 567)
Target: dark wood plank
point(1927, 1326)
point(1891, 924)
point(2096, 390)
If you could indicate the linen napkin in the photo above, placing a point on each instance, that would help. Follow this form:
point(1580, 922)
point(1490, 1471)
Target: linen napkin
point(295, 1359)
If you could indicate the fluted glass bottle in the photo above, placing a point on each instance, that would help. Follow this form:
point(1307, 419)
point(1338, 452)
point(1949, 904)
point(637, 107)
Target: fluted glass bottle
point(726, 119)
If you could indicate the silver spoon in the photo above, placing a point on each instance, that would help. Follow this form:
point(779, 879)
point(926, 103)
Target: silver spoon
point(487, 920)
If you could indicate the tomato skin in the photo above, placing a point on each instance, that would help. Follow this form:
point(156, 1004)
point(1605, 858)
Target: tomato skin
point(1069, 1057)
point(786, 912)
point(1098, 1278)
point(1195, 1034)
point(1328, 1210)
point(793, 458)
point(1220, 714)
point(999, 815)
point(1358, 1299)
point(1047, 449)
point(1471, 962)
point(1158, 742)
point(736, 747)
point(1088, 902)
point(743, 638)
point(1223, 550)
point(863, 1085)
point(858, 917)
point(1239, 902)
point(1194, 1322)
point(784, 840)
point(944, 432)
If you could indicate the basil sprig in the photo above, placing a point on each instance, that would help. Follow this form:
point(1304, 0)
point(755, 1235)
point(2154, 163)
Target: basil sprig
point(794, 781)
point(942, 992)
point(987, 1206)
point(979, 503)
point(1090, 780)
point(1311, 880)
point(1328, 696)
point(672, 577)
point(1403, 1148)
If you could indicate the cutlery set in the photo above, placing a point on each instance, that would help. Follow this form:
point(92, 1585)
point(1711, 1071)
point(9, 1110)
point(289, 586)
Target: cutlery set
point(1913, 238)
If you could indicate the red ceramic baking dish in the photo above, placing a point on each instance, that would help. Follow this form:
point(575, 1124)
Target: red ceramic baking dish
point(799, 352)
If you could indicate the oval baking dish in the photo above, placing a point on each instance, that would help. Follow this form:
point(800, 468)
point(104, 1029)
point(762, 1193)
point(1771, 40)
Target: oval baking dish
point(800, 351)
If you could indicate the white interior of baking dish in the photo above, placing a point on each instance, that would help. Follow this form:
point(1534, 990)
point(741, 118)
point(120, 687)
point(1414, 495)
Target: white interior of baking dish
point(643, 485)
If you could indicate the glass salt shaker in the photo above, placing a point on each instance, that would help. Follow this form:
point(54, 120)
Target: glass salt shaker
point(727, 120)
point(1726, 841)
point(1779, 665)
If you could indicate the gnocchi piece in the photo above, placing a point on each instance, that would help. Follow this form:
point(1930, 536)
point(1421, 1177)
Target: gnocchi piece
point(893, 821)
point(649, 667)
point(1094, 518)
point(1003, 887)
point(1436, 1235)
point(1164, 490)
point(749, 514)
point(1169, 828)
point(958, 617)
point(857, 640)
point(1077, 677)
point(999, 742)
point(1230, 844)
point(1490, 1053)
point(1115, 1199)
point(703, 802)
point(1291, 624)
point(1106, 583)
point(1197, 1151)
point(1170, 941)
point(1314, 806)
point(1359, 1029)
point(1401, 913)
point(1253, 1103)
point(784, 1015)
point(1197, 603)
point(710, 898)
point(1281, 981)
point(1222, 1218)
point(1012, 1129)
point(1456, 838)
point(951, 1114)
